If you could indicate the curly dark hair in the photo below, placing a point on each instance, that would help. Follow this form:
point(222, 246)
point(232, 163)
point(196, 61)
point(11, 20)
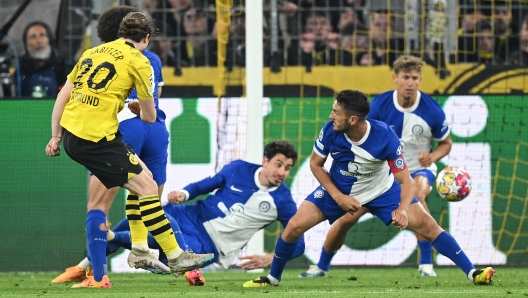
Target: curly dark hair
point(136, 26)
point(281, 147)
point(109, 21)
point(354, 102)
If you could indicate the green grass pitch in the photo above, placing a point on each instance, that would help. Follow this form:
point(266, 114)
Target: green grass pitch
point(340, 282)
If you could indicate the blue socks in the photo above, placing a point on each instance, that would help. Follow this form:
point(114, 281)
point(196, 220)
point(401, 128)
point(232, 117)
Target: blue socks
point(447, 245)
point(283, 252)
point(426, 252)
point(325, 259)
point(95, 219)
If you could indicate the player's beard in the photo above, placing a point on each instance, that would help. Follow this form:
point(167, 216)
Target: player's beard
point(40, 54)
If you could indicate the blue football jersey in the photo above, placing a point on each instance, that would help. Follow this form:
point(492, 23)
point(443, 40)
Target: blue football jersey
point(155, 62)
point(415, 126)
point(240, 207)
point(361, 168)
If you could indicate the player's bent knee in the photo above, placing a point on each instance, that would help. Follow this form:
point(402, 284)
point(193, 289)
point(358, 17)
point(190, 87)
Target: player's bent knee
point(292, 232)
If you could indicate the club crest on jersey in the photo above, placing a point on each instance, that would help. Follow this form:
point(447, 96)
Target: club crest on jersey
point(417, 129)
point(399, 163)
point(264, 206)
point(318, 194)
point(132, 158)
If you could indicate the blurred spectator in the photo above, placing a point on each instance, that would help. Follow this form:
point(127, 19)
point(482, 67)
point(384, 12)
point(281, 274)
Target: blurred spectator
point(162, 46)
point(353, 47)
point(347, 16)
point(483, 52)
point(317, 38)
point(236, 46)
point(505, 29)
point(42, 72)
point(199, 48)
point(385, 45)
point(344, 53)
point(172, 14)
point(520, 56)
point(470, 15)
point(148, 6)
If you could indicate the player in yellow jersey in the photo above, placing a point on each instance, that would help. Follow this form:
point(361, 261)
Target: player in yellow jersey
point(85, 119)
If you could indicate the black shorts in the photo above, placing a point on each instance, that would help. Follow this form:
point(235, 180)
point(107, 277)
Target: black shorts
point(110, 161)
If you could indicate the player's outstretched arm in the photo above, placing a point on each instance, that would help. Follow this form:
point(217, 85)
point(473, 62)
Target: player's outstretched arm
point(53, 147)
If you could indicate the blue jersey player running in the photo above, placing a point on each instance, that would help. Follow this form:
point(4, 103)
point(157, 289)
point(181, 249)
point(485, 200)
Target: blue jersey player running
point(368, 172)
point(417, 119)
point(248, 198)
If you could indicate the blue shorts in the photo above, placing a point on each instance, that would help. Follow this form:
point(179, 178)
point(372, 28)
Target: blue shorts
point(381, 206)
point(427, 174)
point(150, 142)
point(193, 232)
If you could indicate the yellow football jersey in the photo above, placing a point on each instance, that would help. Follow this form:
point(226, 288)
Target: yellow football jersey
point(102, 79)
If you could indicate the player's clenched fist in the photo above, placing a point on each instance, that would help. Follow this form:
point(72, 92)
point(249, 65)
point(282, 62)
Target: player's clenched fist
point(134, 107)
point(53, 147)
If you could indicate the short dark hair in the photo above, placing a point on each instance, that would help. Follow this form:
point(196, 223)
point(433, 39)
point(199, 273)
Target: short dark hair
point(354, 102)
point(109, 21)
point(136, 26)
point(281, 147)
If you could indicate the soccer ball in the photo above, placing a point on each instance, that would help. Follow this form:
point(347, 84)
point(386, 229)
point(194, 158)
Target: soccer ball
point(453, 184)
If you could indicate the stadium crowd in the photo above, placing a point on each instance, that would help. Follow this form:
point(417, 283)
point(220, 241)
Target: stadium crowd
point(318, 32)
point(344, 32)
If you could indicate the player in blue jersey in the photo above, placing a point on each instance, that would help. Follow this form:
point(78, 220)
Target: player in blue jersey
point(368, 173)
point(417, 119)
point(248, 198)
point(149, 141)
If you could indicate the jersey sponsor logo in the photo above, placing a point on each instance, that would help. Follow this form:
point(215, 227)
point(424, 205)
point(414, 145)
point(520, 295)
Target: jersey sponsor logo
point(237, 208)
point(399, 150)
point(318, 194)
point(399, 163)
point(335, 153)
point(355, 169)
point(345, 173)
point(417, 129)
point(264, 206)
point(233, 188)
